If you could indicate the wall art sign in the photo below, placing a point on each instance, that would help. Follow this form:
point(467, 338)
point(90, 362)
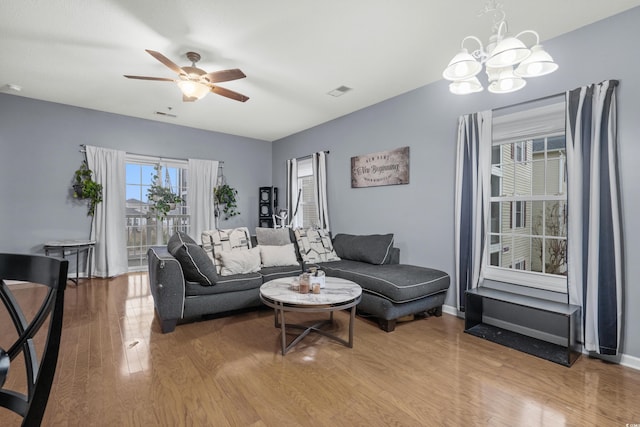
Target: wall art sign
point(383, 168)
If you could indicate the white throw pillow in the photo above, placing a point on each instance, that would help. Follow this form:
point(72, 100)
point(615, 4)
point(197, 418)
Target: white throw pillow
point(276, 256)
point(240, 262)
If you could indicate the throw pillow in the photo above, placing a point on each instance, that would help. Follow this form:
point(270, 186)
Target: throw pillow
point(240, 262)
point(215, 242)
point(272, 236)
point(196, 265)
point(373, 248)
point(315, 245)
point(276, 256)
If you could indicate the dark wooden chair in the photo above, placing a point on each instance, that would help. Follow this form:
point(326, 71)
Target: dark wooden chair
point(51, 272)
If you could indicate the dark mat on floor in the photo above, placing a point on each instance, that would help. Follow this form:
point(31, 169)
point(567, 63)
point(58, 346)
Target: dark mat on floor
point(529, 345)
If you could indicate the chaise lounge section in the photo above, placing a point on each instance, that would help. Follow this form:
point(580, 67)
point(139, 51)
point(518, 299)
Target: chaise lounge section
point(390, 290)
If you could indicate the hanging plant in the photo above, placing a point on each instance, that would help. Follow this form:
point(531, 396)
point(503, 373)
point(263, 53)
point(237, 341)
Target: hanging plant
point(162, 199)
point(84, 187)
point(226, 197)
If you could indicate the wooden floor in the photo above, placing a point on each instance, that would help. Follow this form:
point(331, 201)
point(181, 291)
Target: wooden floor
point(117, 369)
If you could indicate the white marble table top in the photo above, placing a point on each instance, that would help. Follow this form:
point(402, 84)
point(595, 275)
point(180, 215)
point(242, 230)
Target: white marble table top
point(336, 291)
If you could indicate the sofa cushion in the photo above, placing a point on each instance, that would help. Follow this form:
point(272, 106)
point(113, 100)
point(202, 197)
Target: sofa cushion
point(396, 282)
point(315, 245)
point(215, 242)
point(226, 284)
point(196, 265)
point(373, 248)
point(275, 256)
point(239, 262)
point(271, 273)
point(273, 236)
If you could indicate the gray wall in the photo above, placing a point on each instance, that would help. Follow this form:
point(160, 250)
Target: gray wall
point(421, 213)
point(39, 151)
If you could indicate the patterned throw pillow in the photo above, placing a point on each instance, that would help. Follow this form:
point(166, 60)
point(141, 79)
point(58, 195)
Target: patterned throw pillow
point(315, 245)
point(214, 242)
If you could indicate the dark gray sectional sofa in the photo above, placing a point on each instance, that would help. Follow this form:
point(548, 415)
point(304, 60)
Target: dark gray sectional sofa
point(390, 290)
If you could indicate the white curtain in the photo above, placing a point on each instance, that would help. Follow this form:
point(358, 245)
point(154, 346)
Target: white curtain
point(472, 199)
point(202, 176)
point(319, 165)
point(108, 227)
point(594, 250)
point(292, 191)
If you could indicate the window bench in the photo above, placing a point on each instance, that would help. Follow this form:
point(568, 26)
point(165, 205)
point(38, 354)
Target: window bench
point(570, 314)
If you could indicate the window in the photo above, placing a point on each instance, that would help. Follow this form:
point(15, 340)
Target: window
point(307, 211)
point(518, 214)
point(527, 242)
point(519, 151)
point(142, 227)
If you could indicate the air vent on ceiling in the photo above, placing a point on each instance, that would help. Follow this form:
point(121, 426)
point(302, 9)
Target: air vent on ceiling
point(162, 113)
point(339, 91)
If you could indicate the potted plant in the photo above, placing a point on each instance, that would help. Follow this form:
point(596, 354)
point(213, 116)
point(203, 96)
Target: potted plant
point(226, 196)
point(84, 187)
point(162, 198)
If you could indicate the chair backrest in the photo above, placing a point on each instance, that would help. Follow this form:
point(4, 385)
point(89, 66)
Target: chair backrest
point(51, 272)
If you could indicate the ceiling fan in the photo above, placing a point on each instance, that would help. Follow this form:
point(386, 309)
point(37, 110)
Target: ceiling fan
point(194, 82)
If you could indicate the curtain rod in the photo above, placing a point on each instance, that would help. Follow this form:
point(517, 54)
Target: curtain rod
point(83, 149)
point(310, 155)
point(529, 101)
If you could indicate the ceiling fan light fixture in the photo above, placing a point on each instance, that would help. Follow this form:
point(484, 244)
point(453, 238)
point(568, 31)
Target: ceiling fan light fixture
point(195, 83)
point(191, 89)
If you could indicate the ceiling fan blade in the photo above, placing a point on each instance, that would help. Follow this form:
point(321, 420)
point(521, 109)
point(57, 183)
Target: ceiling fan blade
point(166, 61)
point(186, 98)
point(162, 79)
point(225, 75)
point(229, 93)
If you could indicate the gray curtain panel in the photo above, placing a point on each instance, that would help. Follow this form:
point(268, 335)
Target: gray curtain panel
point(473, 189)
point(594, 239)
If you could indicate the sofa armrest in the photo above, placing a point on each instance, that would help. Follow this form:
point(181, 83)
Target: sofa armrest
point(167, 284)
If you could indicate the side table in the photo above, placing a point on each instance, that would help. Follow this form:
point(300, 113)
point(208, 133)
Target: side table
point(73, 246)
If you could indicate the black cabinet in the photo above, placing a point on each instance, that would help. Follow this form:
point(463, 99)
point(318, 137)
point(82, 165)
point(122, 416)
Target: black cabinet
point(267, 206)
point(567, 314)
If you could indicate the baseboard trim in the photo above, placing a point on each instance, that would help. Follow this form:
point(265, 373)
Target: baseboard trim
point(630, 361)
point(449, 309)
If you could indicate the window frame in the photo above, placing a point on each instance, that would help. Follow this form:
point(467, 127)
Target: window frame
point(180, 187)
point(305, 171)
point(544, 122)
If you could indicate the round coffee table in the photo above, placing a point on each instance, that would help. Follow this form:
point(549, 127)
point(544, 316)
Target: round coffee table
point(337, 294)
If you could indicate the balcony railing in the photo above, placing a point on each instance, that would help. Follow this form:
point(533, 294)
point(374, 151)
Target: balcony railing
point(143, 232)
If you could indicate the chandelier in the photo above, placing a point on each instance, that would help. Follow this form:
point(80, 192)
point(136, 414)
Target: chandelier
point(507, 60)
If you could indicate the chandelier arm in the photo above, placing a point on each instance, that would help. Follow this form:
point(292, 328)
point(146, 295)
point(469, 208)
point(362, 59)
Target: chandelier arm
point(529, 31)
point(476, 53)
point(500, 26)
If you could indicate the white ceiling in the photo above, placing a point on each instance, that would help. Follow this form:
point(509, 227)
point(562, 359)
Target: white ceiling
point(292, 51)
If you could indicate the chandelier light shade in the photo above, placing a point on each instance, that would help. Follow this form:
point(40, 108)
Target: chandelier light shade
point(462, 66)
point(507, 60)
point(539, 63)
